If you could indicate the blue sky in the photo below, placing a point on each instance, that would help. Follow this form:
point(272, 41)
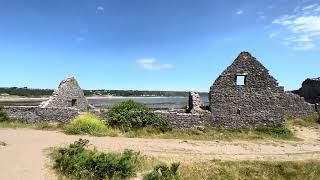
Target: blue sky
point(154, 44)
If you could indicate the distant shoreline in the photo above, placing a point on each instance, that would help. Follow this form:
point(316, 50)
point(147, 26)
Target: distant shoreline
point(36, 99)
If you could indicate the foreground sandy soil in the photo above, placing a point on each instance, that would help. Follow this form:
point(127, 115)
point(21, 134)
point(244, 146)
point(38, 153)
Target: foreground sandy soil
point(22, 151)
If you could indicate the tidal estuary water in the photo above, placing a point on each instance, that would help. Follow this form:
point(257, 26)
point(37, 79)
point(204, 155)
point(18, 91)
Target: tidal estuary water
point(107, 102)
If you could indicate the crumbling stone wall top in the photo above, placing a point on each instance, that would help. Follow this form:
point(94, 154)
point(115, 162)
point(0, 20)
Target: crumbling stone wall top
point(68, 95)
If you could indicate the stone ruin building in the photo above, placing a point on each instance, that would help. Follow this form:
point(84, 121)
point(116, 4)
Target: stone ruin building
point(68, 95)
point(66, 103)
point(245, 95)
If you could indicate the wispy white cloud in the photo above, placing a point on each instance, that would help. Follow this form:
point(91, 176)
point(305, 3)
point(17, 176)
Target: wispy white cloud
point(152, 64)
point(100, 8)
point(303, 27)
point(239, 12)
point(79, 39)
point(309, 7)
point(273, 35)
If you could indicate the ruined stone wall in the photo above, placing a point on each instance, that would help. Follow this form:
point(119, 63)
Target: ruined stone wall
point(184, 120)
point(257, 103)
point(35, 114)
point(296, 106)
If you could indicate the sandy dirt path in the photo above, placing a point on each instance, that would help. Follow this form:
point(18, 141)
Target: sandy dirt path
point(22, 153)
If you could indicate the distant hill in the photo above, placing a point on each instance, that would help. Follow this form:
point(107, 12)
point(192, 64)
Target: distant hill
point(29, 92)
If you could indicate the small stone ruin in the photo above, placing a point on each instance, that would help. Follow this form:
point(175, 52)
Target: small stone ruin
point(66, 103)
point(195, 103)
point(68, 95)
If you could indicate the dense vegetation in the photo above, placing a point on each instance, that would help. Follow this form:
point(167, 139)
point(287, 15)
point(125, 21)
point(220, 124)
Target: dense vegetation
point(3, 116)
point(131, 115)
point(86, 124)
point(78, 162)
point(27, 92)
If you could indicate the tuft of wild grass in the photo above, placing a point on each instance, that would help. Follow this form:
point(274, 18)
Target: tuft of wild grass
point(86, 124)
point(163, 172)
point(311, 120)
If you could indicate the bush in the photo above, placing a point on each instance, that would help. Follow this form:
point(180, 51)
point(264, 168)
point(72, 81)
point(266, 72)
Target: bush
point(282, 133)
point(86, 124)
point(77, 162)
point(3, 116)
point(131, 115)
point(163, 172)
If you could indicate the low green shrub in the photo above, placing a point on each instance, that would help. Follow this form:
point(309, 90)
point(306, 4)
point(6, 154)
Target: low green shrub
point(281, 133)
point(3, 116)
point(163, 172)
point(131, 115)
point(78, 162)
point(86, 124)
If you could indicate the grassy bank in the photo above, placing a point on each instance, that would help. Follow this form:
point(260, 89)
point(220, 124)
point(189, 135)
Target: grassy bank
point(148, 132)
point(225, 170)
point(77, 161)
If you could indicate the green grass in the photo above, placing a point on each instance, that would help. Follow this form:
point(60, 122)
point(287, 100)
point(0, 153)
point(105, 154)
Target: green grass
point(86, 124)
point(216, 134)
point(230, 170)
point(40, 125)
point(209, 134)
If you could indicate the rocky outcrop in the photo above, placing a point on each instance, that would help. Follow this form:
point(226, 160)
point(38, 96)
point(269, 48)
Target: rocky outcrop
point(310, 90)
point(68, 95)
point(195, 103)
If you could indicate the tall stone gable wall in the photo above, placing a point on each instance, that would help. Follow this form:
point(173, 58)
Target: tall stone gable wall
point(68, 91)
point(258, 103)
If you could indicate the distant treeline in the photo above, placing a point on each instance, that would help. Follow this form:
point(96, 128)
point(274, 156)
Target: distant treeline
point(27, 92)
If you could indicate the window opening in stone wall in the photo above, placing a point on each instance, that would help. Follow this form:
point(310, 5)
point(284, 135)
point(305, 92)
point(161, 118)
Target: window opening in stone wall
point(73, 102)
point(241, 80)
